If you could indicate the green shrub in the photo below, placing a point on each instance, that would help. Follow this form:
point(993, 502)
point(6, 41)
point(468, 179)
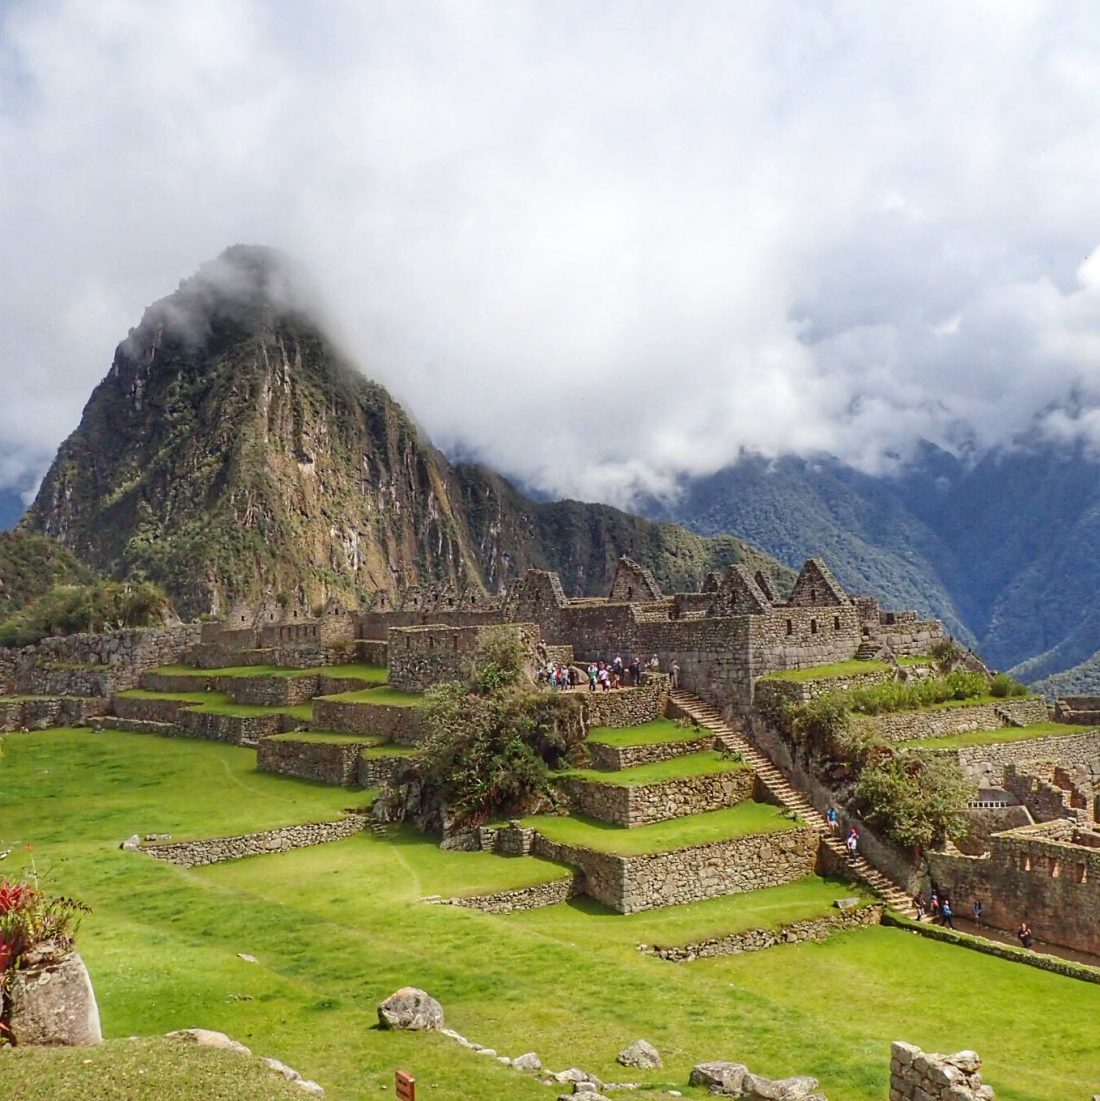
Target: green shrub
point(1002, 686)
point(910, 695)
point(916, 799)
point(97, 606)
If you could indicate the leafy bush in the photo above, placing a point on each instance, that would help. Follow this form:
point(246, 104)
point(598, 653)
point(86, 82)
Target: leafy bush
point(1002, 685)
point(97, 606)
point(917, 799)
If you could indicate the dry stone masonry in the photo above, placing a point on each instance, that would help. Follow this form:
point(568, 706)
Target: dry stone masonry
point(918, 1076)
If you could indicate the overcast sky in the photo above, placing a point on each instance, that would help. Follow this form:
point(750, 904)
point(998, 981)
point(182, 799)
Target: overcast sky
point(596, 244)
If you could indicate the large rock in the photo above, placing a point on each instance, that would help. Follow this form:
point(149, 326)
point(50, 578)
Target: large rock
point(411, 1009)
point(799, 1088)
point(207, 1037)
point(719, 1077)
point(640, 1054)
point(52, 1000)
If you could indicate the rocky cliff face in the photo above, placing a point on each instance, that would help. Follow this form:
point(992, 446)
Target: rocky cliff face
point(232, 454)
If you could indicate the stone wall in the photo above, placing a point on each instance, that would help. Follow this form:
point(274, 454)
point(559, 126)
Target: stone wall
point(910, 638)
point(379, 768)
point(15, 714)
point(1030, 875)
point(194, 854)
point(640, 804)
point(627, 706)
point(148, 710)
point(1035, 790)
point(918, 1076)
point(322, 762)
point(756, 940)
point(246, 730)
point(125, 654)
point(986, 764)
point(614, 758)
point(627, 884)
point(521, 898)
point(404, 725)
point(273, 691)
point(772, 692)
point(940, 722)
point(420, 657)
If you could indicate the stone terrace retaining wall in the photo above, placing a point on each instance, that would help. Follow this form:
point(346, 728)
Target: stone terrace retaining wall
point(148, 710)
point(628, 884)
point(405, 725)
point(987, 763)
point(627, 706)
point(422, 656)
point(644, 803)
point(376, 770)
point(1036, 791)
point(322, 762)
point(756, 940)
point(521, 898)
point(917, 1076)
point(194, 854)
point(240, 730)
point(904, 726)
point(57, 680)
point(613, 758)
point(272, 691)
point(40, 714)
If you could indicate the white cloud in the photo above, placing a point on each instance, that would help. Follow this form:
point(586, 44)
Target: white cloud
point(601, 246)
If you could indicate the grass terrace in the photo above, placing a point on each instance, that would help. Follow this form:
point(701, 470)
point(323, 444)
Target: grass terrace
point(707, 763)
point(326, 737)
point(215, 698)
point(218, 703)
point(378, 695)
point(390, 749)
point(651, 733)
point(841, 669)
point(769, 908)
point(373, 674)
point(995, 737)
point(677, 833)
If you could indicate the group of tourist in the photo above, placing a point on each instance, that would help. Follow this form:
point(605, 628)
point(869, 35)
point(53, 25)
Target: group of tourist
point(605, 676)
point(940, 909)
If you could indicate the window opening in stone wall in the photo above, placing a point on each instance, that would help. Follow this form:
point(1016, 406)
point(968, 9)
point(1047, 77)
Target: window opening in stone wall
point(790, 627)
point(813, 626)
point(813, 596)
point(836, 623)
point(1082, 875)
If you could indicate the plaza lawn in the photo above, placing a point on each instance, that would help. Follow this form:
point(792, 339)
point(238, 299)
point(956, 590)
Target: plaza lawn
point(840, 670)
point(338, 927)
point(676, 833)
point(378, 695)
point(652, 733)
point(707, 763)
point(374, 674)
point(993, 737)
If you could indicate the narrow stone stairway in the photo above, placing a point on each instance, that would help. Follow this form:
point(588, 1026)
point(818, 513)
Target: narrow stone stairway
point(785, 794)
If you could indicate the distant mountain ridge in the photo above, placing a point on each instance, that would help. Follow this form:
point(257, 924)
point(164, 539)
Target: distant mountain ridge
point(233, 455)
point(1001, 550)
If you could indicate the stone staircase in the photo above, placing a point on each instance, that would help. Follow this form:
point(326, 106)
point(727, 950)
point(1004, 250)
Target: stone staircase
point(781, 790)
point(869, 651)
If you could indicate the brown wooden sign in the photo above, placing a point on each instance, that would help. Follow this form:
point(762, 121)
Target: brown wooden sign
point(406, 1086)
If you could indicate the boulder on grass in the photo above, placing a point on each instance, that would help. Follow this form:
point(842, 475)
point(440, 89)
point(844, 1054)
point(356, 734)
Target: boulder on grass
point(719, 1076)
point(52, 1001)
point(641, 1054)
point(528, 1061)
point(207, 1037)
point(801, 1087)
point(411, 1009)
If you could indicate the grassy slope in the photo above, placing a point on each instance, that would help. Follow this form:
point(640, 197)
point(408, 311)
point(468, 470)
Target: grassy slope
point(660, 730)
point(378, 695)
point(707, 763)
point(992, 737)
point(339, 927)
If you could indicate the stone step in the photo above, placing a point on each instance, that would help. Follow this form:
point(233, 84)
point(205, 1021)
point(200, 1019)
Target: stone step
point(781, 789)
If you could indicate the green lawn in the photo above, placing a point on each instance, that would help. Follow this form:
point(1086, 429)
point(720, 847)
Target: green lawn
point(992, 737)
point(218, 703)
point(338, 927)
point(213, 698)
point(652, 733)
point(706, 763)
point(378, 695)
point(840, 669)
point(677, 833)
point(391, 749)
point(58, 785)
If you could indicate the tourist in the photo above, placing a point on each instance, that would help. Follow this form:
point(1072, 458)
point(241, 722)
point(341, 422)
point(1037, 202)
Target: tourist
point(919, 905)
point(617, 664)
point(654, 664)
point(1026, 939)
point(831, 818)
point(853, 846)
point(635, 672)
point(978, 911)
point(592, 673)
point(574, 676)
point(605, 680)
point(674, 675)
point(947, 915)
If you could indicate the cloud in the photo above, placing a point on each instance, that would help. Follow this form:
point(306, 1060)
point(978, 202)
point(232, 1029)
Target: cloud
point(597, 246)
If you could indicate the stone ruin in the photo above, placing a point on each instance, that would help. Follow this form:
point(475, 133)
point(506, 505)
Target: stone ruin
point(919, 1076)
